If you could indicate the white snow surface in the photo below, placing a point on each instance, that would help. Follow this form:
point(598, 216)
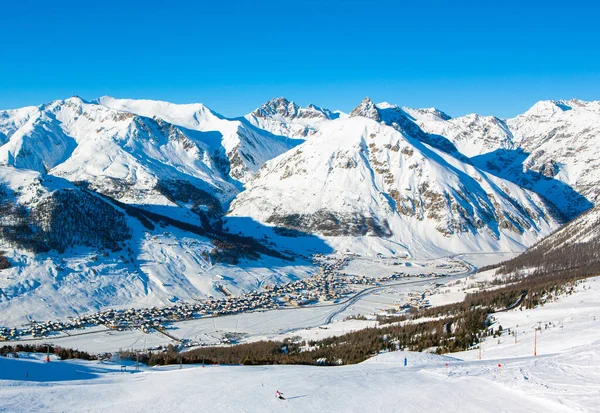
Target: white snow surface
point(246, 147)
point(562, 378)
point(159, 267)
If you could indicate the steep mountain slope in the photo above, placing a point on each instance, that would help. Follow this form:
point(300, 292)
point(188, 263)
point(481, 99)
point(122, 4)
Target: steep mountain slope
point(570, 251)
point(282, 117)
point(399, 119)
point(70, 250)
point(358, 177)
point(556, 155)
point(184, 159)
point(12, 120)
point(549, 149)
point(246, 147)
point(41, 213)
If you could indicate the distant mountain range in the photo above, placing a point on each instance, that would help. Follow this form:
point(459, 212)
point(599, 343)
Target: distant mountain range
point(154, 199)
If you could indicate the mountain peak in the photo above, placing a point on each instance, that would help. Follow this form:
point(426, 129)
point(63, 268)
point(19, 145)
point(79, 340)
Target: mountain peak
point(277, 106)
point(546, 108)
point(366, 109)
point(281, 107)
point(434, 112)
point(74, 100)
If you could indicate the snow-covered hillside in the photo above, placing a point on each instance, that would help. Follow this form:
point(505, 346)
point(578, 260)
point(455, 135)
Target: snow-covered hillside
point(118, 153)
point(471, 134)
point(558, 141)
point(361, 178)
point(131, 150)
point(71, 251)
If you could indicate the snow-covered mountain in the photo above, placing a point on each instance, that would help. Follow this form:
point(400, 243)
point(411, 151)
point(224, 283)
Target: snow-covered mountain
point(572, 249)
point(556, 155)
point(550, 149)
point(282, 117)
point(358, 177)
point(43, 213)
point(471, 134)
point(120, 153)
point(150, 182)
point(244, 146)
point(400, 119)
point(140, 152)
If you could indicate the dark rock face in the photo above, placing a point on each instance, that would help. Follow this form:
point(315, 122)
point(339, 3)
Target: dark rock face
point(4, 262)
point(366, 109)
point(283, 107)
point(280, 106)
point(331, 224)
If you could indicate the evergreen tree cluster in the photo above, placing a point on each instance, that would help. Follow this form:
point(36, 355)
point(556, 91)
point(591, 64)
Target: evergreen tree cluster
point(64, 219)
point(62, 353)
point(4, 262)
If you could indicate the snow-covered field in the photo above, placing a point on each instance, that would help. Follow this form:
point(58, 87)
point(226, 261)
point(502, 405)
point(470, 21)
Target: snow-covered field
point(564, 377)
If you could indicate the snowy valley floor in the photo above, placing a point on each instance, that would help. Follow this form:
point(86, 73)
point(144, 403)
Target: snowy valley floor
point(564, 377)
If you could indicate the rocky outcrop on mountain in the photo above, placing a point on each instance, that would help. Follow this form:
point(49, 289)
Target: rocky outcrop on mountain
point(366, 109)
point(286, 109)
point(282, 117)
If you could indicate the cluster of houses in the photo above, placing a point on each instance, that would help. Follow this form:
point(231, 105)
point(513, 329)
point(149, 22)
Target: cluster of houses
point(420, 300)
point(329, 284)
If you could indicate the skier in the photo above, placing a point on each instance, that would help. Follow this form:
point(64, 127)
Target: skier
point(279, 395)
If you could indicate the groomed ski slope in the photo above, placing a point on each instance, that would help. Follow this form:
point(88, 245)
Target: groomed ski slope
point(564, 377)
point(379, 385)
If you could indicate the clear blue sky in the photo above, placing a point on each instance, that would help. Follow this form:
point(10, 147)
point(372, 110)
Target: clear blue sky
point(462, 57)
